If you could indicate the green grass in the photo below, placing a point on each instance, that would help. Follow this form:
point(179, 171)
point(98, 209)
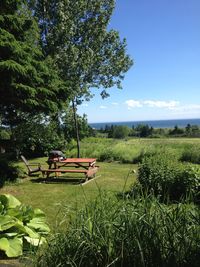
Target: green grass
point(122, 233)
point(61, 200)
point(51, 196)
point(130, 150)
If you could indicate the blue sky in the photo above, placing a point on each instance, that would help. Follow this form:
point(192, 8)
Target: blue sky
point(163, 39)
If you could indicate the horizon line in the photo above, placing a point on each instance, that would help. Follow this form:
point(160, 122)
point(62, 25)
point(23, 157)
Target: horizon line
point(144, 120)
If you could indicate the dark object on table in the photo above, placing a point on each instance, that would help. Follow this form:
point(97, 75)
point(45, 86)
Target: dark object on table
point(56, 155)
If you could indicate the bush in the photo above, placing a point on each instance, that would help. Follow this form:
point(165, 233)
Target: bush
point(164, 176)
point(136, 233)
point(191, 154)
point(8, 172)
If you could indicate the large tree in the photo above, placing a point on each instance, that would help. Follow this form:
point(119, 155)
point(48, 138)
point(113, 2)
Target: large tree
point(28, 82)
point(76, 35)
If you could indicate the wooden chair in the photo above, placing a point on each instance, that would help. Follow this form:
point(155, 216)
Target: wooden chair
point(29, 166)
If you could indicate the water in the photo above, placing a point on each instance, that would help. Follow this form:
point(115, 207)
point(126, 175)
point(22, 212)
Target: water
point(155, 124)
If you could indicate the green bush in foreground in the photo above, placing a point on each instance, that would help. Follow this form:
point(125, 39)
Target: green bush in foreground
point(21, 227)
point(162, 175)
point(137, 233)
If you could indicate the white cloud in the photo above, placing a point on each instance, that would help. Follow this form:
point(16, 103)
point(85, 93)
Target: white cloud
point(161, 104)
point(115, 104)
point(131, 103)
point(103, 107)
point(191, 107)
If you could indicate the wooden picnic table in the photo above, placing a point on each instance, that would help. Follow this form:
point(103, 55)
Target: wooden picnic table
point(72, 165)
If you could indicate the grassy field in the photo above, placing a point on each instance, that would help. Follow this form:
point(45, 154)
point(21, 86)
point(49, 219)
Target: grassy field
point(130, 150)
point(67, 192)
point(60, 197)
point(112, 176)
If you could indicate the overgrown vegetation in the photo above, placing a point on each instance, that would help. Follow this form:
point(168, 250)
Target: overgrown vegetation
point(132, 150)
point(140, 232)
point(162, 175)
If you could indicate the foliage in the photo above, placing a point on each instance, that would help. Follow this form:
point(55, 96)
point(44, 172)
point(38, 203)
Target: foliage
point(144, 130)
point(36, 137)
point(87, 54)
point(137, 233)
point(120, 132)
point(28, 82)
point(69, 128)
point(130, 150)
point(176, 131)
point(162, 175)
point(191, 154)
point(20, 226)
point(76, 34)
point(4, 134)
point(8, 172)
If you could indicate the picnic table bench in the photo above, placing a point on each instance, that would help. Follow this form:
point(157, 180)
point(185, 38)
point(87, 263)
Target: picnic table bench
point(72, 165)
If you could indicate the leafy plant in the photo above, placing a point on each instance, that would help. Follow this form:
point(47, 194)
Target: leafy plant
point(162, 175)
point(21, 227)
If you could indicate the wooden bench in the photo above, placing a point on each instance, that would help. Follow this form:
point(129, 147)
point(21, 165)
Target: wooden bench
point(88, 172)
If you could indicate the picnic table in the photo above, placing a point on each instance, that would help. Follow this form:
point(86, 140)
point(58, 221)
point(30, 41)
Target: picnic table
point(72, 165)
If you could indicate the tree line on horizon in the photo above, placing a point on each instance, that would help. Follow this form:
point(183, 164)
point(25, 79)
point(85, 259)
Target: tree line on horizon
point(144, 130)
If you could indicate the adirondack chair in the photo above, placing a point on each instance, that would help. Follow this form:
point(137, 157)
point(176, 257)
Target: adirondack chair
point(30, 165)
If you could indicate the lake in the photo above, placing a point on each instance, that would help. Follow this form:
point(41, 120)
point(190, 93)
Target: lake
point(155, 124)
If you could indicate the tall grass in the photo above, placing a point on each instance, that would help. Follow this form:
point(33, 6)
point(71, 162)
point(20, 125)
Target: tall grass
point(137, 233)
point(191, 154)
point(129, 150)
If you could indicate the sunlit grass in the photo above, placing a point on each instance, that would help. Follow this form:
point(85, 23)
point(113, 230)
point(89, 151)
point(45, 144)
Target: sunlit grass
point(51, 196)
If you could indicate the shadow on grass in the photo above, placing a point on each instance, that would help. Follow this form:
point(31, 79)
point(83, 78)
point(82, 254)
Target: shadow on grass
point(59, 180)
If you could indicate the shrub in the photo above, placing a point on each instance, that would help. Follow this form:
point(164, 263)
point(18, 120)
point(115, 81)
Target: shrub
point(191, 154)
point(8, 172)
point(164, 176)
point(136, 233)
point(20, 226)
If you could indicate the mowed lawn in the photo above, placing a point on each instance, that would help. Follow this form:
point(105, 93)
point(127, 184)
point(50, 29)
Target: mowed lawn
point(58, 197)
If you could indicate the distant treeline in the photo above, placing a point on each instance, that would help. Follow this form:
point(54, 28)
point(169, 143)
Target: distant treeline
point(144, 130)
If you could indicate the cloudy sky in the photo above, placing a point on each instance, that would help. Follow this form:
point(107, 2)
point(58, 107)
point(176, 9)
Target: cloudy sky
point(163, 38)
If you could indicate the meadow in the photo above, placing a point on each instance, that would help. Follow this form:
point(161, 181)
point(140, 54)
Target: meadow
point(131, 150)
point(104, 228)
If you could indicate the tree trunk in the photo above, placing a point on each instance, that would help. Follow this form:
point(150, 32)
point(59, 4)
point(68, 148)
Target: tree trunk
point(76, 129)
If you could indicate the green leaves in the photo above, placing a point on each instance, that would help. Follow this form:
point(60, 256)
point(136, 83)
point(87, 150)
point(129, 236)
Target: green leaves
point(9, 201)
point(76, 35)
point(12, 247)
point(20, 225)
point(162, 175)
point(23, 68)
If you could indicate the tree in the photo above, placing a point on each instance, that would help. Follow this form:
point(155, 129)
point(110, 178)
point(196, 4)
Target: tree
point(121, 131)
point(69, 128)
point(37, 137)
point(144, 130)
point(176, 131)
point(76, 35)
point(28, 83)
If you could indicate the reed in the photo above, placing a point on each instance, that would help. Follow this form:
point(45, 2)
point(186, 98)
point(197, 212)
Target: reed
point(137, 233)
